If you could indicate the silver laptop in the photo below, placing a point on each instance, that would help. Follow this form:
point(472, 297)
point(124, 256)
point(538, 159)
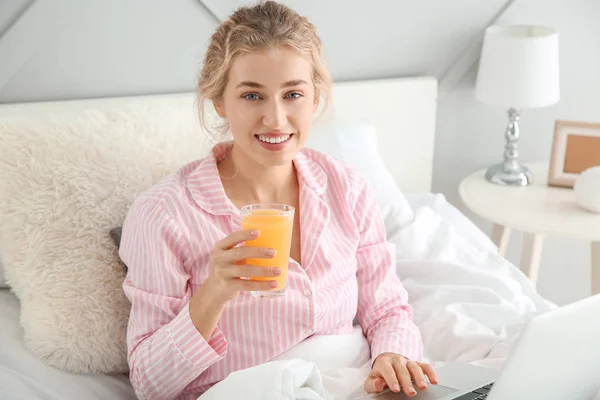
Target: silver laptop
point(556, 357)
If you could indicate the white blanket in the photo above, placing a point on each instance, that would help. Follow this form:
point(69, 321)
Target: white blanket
point(320, 368)
point(276, 380)
point(469, 303)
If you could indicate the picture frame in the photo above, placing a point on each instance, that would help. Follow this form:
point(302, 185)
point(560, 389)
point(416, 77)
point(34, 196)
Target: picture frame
point(575, 148)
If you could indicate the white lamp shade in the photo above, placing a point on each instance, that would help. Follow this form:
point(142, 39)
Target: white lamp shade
point(519, 67)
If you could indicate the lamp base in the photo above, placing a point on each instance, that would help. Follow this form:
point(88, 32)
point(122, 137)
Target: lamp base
point(510, 172)
point(516, 175)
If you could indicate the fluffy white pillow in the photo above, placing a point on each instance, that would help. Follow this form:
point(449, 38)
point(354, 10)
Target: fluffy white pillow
point(355, 143)
point(65, 181)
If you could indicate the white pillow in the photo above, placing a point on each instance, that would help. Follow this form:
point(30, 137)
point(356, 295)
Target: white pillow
point(356, 144)
point(66, 179)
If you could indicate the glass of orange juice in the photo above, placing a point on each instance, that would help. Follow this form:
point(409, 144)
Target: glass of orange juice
point(275, 223)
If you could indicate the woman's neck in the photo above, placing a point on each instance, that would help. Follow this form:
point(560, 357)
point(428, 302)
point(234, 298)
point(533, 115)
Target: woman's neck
point(249, 182)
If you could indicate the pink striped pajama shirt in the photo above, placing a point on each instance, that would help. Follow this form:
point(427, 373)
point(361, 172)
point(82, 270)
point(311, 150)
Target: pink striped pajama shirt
point(348, 270)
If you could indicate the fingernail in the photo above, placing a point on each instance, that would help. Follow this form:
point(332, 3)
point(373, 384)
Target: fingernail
point(423, 384)
point(270, 252)
point(276, 271)
point(273, 284)
point(395, 387)
point(412, 391)
point(254, 232)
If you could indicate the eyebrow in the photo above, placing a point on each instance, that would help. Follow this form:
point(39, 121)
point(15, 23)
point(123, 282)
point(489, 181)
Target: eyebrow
point(295, 82)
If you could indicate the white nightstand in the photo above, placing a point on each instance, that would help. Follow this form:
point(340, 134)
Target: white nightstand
point(538, 211)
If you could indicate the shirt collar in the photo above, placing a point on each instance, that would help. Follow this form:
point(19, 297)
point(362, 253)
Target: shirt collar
point(310, 173)
point(206, 188)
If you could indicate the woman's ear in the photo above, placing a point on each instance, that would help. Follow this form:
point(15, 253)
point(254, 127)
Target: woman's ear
point(219, 108)
point(316, 101)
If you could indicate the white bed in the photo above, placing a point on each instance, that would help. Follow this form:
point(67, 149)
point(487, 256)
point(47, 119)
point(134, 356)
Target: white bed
point(436, 245)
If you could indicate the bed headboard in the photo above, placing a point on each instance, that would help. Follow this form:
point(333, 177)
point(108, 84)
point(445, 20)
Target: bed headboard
point(404, 112)
point(402, 109)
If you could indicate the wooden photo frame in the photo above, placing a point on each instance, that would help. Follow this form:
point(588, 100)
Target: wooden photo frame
point(575, 148)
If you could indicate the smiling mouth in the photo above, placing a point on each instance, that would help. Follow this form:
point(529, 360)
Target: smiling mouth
point(274, 139)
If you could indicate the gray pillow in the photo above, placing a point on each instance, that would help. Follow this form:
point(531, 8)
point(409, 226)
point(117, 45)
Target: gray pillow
point(3, 283)
point(115, 234)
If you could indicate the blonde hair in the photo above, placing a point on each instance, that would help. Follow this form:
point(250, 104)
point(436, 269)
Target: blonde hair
point(264, 26)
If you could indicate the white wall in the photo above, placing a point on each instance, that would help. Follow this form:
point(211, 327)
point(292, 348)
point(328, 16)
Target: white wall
point(389, 38)
point(67, 49)
point(470, 135)
point(70, 49)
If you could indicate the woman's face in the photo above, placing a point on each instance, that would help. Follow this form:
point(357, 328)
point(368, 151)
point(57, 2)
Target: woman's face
point(269, 102)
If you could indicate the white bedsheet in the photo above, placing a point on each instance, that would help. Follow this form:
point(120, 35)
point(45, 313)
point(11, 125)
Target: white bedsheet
point(469, 303)
point(321, 367)
point(23, 376)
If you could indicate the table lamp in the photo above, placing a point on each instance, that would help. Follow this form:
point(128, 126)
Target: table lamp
point(518, 69)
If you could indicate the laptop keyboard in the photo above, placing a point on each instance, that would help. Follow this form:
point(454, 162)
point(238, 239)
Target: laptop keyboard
point(480, 393)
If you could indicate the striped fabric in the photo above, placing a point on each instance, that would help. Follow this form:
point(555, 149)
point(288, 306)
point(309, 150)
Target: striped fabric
point(348, 270)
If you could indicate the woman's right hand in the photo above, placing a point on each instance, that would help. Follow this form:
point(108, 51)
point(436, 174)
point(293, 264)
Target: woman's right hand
point(225, 279)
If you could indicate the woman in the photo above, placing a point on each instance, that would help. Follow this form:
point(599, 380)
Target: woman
point(192, 319)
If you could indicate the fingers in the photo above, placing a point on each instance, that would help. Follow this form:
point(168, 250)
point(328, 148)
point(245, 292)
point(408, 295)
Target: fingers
point(403, 376)
point(244, 252)
point(246, 285)
point(229, 270)
point(374, 384)
point(236, 238)
point(398, 373)
point(389, 375)
point(248, 271)
point(417, 374)
point(430, 372)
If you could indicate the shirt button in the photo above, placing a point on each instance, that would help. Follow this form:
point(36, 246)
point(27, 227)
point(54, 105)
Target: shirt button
point(307, 292)
point(308, 331)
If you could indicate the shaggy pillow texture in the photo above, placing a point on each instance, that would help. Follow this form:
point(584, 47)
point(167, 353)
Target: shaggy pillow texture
point(66, 180)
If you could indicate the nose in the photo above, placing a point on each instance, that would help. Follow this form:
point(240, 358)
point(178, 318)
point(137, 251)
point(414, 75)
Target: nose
point(275, 115)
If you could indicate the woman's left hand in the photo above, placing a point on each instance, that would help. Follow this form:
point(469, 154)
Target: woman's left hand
point(396, 372)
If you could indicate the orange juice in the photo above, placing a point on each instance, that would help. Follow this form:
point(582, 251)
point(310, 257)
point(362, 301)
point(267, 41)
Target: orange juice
point(275, 223)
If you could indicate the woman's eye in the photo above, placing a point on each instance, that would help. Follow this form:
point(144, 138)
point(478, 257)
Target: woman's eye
point(294, 95)
point(251, 96)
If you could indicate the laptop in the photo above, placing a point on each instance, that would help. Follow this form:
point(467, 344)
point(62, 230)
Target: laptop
point(557, 357)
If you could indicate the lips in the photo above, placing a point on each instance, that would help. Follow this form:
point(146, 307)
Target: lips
point(274, 141)
point(273, 138)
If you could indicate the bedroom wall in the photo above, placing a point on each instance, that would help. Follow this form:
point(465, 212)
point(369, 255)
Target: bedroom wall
point(467, 126)
point(67, 49)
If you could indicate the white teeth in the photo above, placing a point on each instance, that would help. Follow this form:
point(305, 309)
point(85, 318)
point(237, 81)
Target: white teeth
point(268, 139)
